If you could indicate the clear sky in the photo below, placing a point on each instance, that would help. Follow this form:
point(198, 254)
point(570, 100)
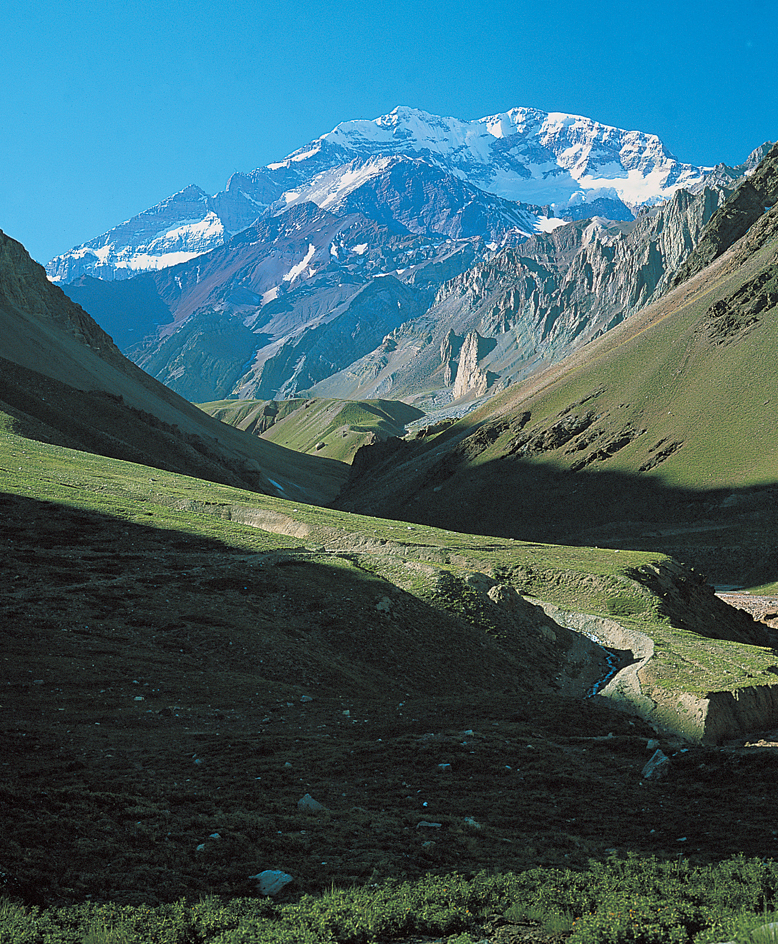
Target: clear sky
point(109, 106)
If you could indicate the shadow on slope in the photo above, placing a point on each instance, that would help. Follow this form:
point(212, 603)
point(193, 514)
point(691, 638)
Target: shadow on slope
point(728, 533)
point(60, 369)
point(170, 698)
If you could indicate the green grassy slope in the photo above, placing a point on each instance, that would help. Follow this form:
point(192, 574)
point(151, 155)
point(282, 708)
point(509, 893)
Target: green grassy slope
point(183, 659)
point(332, 429)
point(659, 435)
point(700, 644)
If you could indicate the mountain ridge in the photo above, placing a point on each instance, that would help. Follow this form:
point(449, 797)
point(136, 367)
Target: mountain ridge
point(50, 345)
point(561, 149)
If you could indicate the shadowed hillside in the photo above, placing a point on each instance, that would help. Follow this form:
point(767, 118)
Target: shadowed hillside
point(63, 378)
point(658, 435)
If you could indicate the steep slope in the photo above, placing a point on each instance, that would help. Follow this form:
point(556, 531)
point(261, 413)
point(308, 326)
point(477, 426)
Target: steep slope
point(657, 435)
point(753, 197)
point(64, 379)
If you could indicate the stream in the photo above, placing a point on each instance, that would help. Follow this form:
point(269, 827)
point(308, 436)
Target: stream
point(613, 660)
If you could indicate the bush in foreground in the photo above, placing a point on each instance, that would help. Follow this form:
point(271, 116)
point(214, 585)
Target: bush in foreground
point(622, 901)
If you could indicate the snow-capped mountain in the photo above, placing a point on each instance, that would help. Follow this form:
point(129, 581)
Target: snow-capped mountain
point(526, 155)
point(515, 173)
point(387, 258)
point(185, 225)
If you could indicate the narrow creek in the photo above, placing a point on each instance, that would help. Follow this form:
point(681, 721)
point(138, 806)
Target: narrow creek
point(614, 659)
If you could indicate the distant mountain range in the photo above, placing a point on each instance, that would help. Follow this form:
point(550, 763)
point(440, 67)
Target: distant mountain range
point(379, 247)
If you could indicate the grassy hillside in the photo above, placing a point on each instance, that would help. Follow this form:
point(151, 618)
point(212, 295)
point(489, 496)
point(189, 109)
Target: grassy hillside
point(658, 436)
point(185, 661)
point(332, 429)
point(183, 658)
point(63, 378)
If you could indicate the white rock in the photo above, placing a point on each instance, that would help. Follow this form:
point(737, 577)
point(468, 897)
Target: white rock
point(308, 805)
point(271, 881)
point(658, 766)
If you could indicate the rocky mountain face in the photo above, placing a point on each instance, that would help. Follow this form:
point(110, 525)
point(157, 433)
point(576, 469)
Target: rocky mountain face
point(751, 200)
point(657, 433)
point(527, 306)
point(343, 268)
point(569, 163)
point(291, 300)
point(185, 225)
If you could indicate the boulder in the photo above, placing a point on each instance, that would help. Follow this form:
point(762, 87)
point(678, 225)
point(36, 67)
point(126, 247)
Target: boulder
point(271, 881)
point(308, 805)
point(658, 767)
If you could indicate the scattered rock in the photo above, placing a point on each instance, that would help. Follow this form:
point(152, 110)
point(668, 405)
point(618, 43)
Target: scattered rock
point(384, 605)
point(658, 766)
point(308, 805)
point(271, 881)
point(425, 824)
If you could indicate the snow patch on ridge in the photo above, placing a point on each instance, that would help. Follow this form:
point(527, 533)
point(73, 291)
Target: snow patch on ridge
point(301, 266)
point(547, 224)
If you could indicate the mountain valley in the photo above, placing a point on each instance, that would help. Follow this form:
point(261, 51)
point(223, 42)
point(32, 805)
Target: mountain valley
point(429, 577)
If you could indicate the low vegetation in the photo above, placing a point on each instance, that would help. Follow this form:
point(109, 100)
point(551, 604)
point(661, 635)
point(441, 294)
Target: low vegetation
point(619, 901)
point(175, 678)
point(332, 429)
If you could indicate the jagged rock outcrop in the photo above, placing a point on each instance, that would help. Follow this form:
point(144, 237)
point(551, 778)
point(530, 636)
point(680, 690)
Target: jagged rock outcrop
point(25, 288)
point(449, 356)
point(752, 198)
point(538, 302)
point(470, 378)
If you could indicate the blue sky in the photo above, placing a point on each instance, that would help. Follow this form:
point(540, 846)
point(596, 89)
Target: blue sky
point(108, 107)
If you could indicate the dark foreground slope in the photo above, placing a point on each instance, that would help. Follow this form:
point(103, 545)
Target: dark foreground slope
point(175, 682)
point(65, 381)
point(659, 435)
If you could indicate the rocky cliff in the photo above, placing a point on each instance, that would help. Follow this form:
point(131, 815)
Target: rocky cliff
point(535, 303)
point(752, 198)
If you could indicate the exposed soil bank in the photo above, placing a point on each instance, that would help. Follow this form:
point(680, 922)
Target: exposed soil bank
point(712, 719)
